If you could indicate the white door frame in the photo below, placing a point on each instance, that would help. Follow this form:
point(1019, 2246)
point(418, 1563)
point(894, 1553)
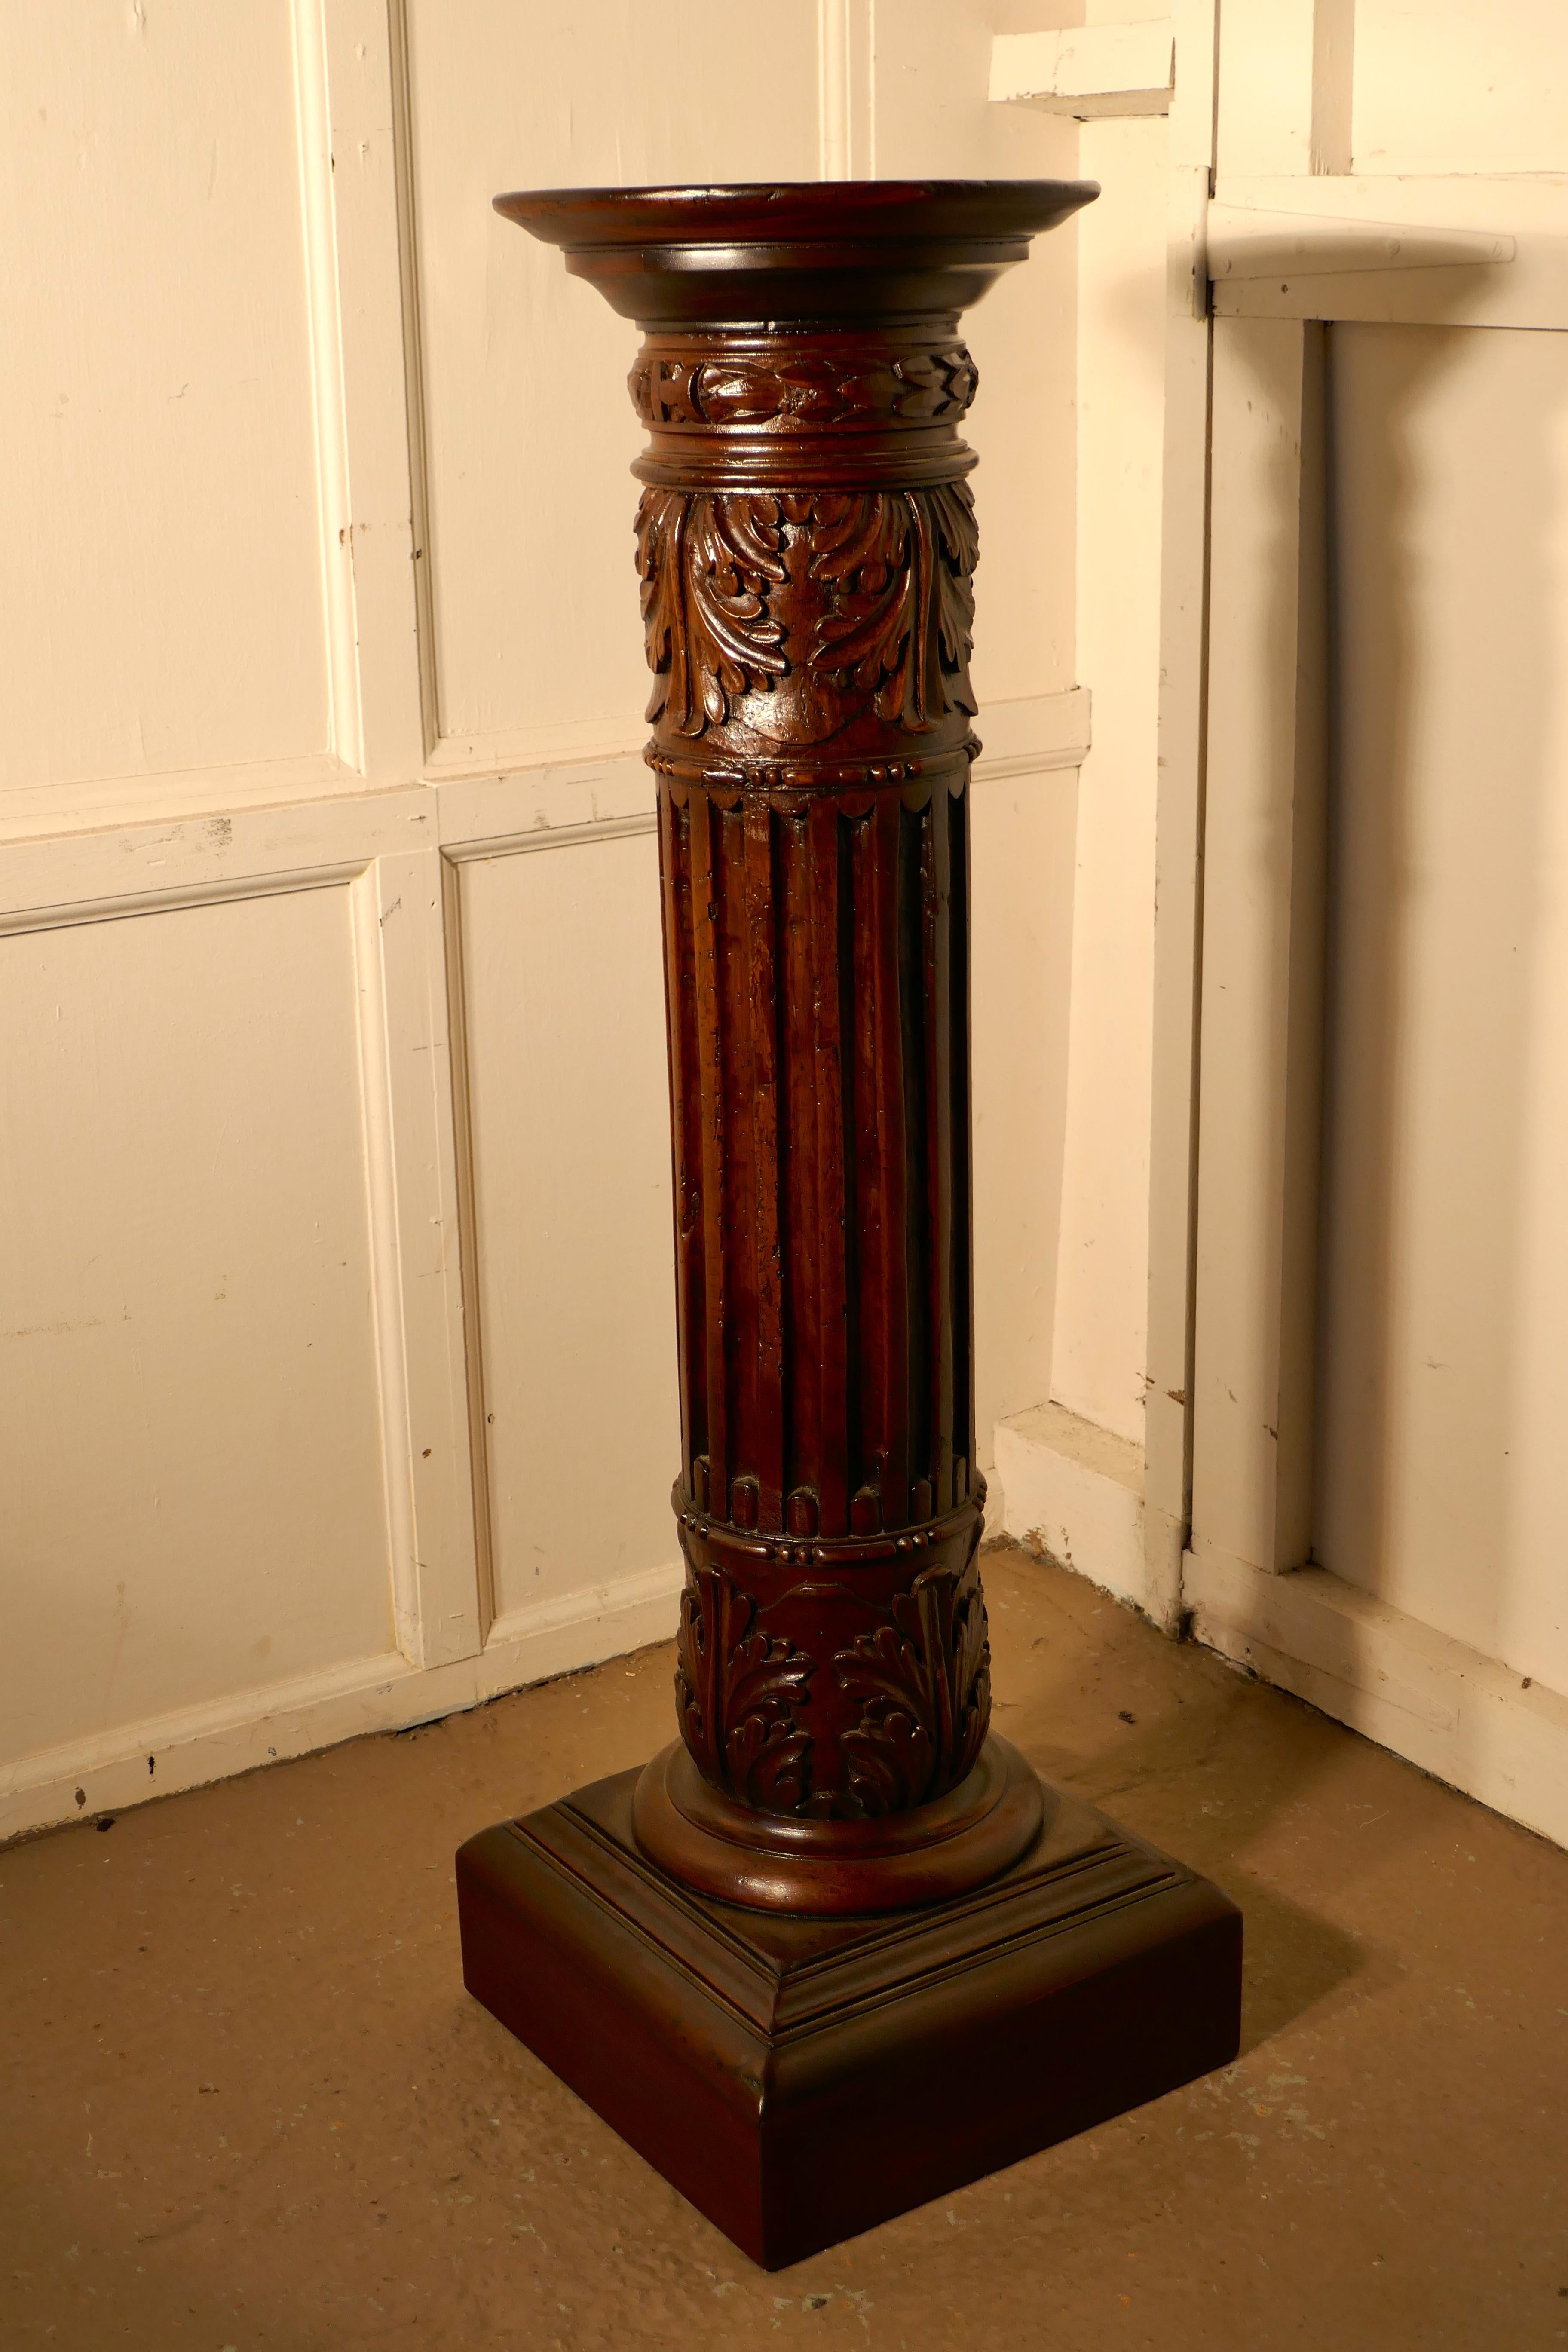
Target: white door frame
point(1293, 240)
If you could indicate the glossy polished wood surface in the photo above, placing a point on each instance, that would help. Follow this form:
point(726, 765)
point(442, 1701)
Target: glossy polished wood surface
point(836, 1950)
point(796, 253)
point(800, 2079)
point(806, 547)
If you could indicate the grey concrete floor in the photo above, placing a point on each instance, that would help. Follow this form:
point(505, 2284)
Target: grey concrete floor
point(244, 2101)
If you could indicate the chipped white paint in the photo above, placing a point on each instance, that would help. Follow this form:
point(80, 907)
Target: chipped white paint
point(1088, 71)
point(1499, 1736)
point(184, 1749)
point(1076, 1492)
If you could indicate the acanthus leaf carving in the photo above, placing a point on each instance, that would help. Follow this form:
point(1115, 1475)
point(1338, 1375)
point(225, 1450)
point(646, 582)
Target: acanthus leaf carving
point(901, 625)
point(923, 1686)
point(706, 562)
point(891, 576)
point(737, 1690)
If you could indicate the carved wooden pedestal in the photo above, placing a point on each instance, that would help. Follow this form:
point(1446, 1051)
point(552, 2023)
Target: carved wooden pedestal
point(836, 1950)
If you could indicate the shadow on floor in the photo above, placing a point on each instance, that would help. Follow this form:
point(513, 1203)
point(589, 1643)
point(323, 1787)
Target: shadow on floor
point(1182, 1749)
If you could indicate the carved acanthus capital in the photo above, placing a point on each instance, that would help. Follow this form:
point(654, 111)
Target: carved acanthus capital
point(799, 612)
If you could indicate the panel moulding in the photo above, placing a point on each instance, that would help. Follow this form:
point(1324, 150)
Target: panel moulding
point(386, 1283)
point(210, 1742)
point(336, 523)
point(562, 776)
point(1075, 1492)
point(62, 844)
point(413, 372)
point(1088, 71)
point(466, 1208)
point(199, 860)
point(44, 813)
point(1466, 1718)
point(412, 1174)
point(1035, 734)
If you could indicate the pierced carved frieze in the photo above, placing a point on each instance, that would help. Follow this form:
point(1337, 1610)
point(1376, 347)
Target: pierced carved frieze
point(786, 387)
point(800, 612)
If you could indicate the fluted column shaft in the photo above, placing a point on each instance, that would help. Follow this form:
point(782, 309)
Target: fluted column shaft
point(805, 546)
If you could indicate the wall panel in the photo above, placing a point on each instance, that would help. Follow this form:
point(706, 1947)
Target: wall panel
point(528, 429)
point(563, 986)
point(1445, 1393)
point(1461, 85)
point(1022, 868)
point(164, 606)
point(189, 1438)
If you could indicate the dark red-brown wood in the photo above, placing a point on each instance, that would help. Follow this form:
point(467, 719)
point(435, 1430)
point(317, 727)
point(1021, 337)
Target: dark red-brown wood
point(798, 2079)
point(806, 547)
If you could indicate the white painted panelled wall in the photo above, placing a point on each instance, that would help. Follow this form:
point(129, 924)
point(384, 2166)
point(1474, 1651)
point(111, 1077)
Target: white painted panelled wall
point(336, 1306)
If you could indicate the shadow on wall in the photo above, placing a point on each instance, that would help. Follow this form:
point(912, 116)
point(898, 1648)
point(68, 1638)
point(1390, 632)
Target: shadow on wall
point(1443, 1282)
point(1397, 1249)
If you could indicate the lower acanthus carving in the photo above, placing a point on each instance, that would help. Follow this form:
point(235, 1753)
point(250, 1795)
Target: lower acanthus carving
point(899, 1720)
point(736, 1692)
point(807, 607)
point(923, 1686)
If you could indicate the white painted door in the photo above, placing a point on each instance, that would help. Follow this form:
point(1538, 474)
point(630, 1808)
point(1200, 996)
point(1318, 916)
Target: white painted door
point(1381, 1278)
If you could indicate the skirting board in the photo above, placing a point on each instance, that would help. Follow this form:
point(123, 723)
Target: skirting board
point(1468, 1719)
point(1075, 1492)
point(195, 1745)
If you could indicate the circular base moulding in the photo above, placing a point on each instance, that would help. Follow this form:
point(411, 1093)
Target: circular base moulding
point(775, 1862)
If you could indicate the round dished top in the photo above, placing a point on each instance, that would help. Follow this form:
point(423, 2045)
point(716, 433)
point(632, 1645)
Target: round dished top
point(798, 251)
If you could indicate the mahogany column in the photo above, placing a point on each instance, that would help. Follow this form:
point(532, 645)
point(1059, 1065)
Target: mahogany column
point(806, 544)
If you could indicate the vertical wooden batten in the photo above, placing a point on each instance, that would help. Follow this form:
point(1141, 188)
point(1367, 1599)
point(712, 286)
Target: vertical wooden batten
point(1262, 977)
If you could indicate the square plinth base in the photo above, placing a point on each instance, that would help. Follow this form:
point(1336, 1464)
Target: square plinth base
point(800, 2080)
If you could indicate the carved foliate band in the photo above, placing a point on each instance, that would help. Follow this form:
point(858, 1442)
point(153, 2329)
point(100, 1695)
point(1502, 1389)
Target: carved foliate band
point(841, 1694)
point(799, 614)
point(729, 380)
